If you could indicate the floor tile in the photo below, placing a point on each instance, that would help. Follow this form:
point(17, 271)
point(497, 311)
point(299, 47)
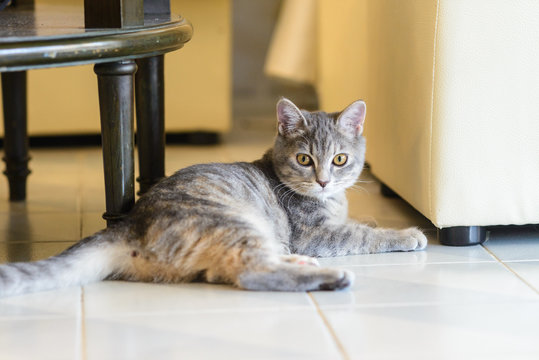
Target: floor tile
point(367, 204)
point(92, 222)
point(92, 188)
point(30, 251)
point(45, 304)
point(514, 243)
point(118, 298)
point(463, 283)
point(463, 331)
point(52, 186)
point(433, 254)
point(54, 338)
point(93, 200)
point(92, 196)
point(254, 335)
point(43, 197)
point(247, 151)
point(50, 226)
point(444, 302)
point(180, 156)
point(528, 270)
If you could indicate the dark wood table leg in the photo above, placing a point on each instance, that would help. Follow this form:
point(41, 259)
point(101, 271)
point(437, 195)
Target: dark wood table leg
point(115, 83)
point(15, 133)
point(149, 90)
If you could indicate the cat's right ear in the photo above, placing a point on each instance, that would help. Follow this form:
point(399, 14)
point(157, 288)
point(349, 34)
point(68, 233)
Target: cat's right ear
point(290, 119)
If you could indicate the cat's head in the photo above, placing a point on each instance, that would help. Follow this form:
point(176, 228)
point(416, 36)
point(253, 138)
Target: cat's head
point(317, 154)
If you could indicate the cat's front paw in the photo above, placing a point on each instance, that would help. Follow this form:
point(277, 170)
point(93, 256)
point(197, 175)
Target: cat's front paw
point(414, 239)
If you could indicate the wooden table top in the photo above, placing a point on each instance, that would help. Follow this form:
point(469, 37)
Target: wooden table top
point(53, 35)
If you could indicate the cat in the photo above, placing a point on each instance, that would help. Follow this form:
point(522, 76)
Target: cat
point(257, 226)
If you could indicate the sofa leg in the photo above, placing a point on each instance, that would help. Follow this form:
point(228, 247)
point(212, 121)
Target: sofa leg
point(462, 235)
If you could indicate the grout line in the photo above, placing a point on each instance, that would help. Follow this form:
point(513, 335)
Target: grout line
point(80, 191)
point(239, 311)
point(424, 304)
point(338, 343)
point(341, 266)
point(83, 325)
point(511, 270)
point(80, 225)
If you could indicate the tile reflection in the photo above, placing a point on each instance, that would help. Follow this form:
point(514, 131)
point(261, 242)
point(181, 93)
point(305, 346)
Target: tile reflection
point(30, 251)
point(18, 221)
point(25, 236)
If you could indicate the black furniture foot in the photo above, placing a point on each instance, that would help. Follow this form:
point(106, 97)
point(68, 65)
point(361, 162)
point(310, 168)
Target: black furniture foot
point(150, 105)
point(387, 191)
point(115, 83)
point(15, 133)
point(462, 235)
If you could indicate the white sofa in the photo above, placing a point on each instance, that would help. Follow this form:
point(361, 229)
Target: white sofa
point(452, 93)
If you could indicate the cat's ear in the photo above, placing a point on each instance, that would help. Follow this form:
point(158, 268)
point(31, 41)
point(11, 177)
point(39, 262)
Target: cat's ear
point(290, 119)
point(352, 118)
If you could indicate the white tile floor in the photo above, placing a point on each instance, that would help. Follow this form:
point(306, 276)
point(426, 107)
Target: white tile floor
point(443, 303)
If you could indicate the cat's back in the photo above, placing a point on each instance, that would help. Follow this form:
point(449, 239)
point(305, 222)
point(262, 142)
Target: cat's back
point(241, 180)
point(211, 198)
point(221, 185)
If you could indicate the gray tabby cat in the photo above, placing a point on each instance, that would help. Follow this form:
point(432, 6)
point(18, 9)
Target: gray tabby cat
point(255, 225)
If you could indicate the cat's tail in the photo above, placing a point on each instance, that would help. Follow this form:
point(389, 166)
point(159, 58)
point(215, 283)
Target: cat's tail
point(92, 259)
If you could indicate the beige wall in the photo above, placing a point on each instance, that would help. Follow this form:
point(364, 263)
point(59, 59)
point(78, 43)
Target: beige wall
point(197, 81)
point(341, 53)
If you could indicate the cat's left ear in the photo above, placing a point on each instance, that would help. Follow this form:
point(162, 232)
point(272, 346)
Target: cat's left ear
point(352, 118)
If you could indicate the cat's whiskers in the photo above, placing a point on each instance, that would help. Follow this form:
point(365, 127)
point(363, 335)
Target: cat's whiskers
point(296, 187)
point(290, 194)
point(290, 199)
point(359, 189)
point(278, 188)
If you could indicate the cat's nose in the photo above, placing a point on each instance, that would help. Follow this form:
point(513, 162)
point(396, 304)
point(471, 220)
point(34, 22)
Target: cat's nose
point(322, 183)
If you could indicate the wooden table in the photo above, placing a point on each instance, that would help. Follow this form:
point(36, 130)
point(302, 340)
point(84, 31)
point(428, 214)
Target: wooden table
point(53, 36)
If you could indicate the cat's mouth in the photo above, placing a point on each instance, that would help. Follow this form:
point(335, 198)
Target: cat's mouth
point(325, 191)
point(313, 189)
point(321, 192)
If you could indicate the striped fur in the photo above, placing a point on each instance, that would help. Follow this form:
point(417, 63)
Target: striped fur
point(254, 225)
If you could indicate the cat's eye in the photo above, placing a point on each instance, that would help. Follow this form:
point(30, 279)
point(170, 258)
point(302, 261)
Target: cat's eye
point(340, 159)
point(304, 159)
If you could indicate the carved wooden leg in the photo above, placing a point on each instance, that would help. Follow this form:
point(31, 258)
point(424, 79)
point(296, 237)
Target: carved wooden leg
point(15, 133)
point(115, 82)
point(150, 104)
point(462, 235)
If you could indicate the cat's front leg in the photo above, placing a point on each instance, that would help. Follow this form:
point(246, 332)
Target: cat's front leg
point(353, 239)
